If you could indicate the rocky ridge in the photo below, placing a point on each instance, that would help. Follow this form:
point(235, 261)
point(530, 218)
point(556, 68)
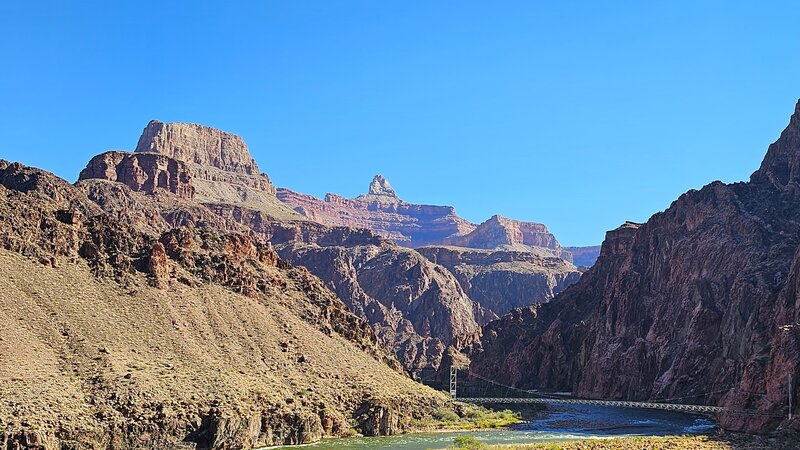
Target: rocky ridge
point(506, 234)
point(698, 303)
point(194, 337)
point(416, 308)
point(383, 212)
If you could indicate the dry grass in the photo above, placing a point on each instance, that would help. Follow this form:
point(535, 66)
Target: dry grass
point(722, 442)
point(80, 353)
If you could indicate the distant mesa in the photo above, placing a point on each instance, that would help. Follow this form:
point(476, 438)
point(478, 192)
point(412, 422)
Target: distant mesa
point(194, 161)
point(500, 264)
point(198, 144)
point(584, 256)
point(501, 233)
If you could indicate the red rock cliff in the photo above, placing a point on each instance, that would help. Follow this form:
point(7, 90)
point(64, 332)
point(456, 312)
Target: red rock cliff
point(141, 172)
point(699, 303)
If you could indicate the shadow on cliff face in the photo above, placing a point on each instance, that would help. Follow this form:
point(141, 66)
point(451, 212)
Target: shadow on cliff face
point(700, 303)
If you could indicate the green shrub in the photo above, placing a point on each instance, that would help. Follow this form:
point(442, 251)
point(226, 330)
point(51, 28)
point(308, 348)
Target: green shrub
point(445, 415)
point(467, 442)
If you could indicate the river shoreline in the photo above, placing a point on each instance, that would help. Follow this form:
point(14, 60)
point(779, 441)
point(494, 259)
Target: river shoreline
point(716, 441)
point(577, 427)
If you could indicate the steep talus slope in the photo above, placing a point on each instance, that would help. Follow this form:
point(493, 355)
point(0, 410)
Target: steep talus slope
point(118, 337)
point(383, 212)
point(417, 308)
point(699, 303)
point(500, 280)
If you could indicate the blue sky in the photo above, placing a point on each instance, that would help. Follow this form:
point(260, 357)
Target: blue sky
point(580, 115)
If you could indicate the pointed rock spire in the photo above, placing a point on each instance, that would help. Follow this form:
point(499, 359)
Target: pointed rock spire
point(381, 186)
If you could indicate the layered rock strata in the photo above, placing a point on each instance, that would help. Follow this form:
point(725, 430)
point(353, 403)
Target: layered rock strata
point(221, 167)
point(383, 212)
point(699, 303)
point(141, 172)
point(117, 336)
point(506, 234)
point(502, 280)
point(417, 308)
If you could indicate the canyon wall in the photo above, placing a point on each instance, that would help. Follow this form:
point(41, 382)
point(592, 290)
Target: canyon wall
point(500, 280)
point(506, 234)
point(506, 263)
point(698, 303)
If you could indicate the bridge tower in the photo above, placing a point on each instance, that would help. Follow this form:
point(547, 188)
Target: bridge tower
point(453, 381)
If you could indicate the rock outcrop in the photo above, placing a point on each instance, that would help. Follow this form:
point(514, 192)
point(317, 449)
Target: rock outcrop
point(507, 234)
point(500, 280)
point(380, 187)
point(141, 172)
point(698, 303)
point(383, 212)
point(117, 336)
point(201, 145)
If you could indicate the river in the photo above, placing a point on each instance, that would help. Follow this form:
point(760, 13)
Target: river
point(561, 423)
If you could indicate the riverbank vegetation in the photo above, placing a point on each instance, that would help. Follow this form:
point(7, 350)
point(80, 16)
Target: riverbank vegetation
point(468, 417)
point(722, 441)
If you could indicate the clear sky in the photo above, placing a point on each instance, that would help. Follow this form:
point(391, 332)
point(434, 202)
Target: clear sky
point(580, 115)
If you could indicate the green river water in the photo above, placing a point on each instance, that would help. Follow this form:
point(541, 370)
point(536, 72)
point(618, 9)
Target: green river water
point(562, 424)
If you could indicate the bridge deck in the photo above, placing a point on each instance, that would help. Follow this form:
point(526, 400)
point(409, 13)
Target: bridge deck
point(619, 404)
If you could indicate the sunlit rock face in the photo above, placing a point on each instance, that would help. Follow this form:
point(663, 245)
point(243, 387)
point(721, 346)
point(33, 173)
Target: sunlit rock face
point(700, 302)
point(383, 212)
point(506, 234)
point(221, 167)
point(141, 172)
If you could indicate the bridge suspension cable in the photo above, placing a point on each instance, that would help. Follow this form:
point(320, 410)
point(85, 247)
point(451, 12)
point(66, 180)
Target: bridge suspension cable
point(542, 398)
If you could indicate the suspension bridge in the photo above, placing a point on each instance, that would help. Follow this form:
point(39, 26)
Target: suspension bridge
point(539, 398)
